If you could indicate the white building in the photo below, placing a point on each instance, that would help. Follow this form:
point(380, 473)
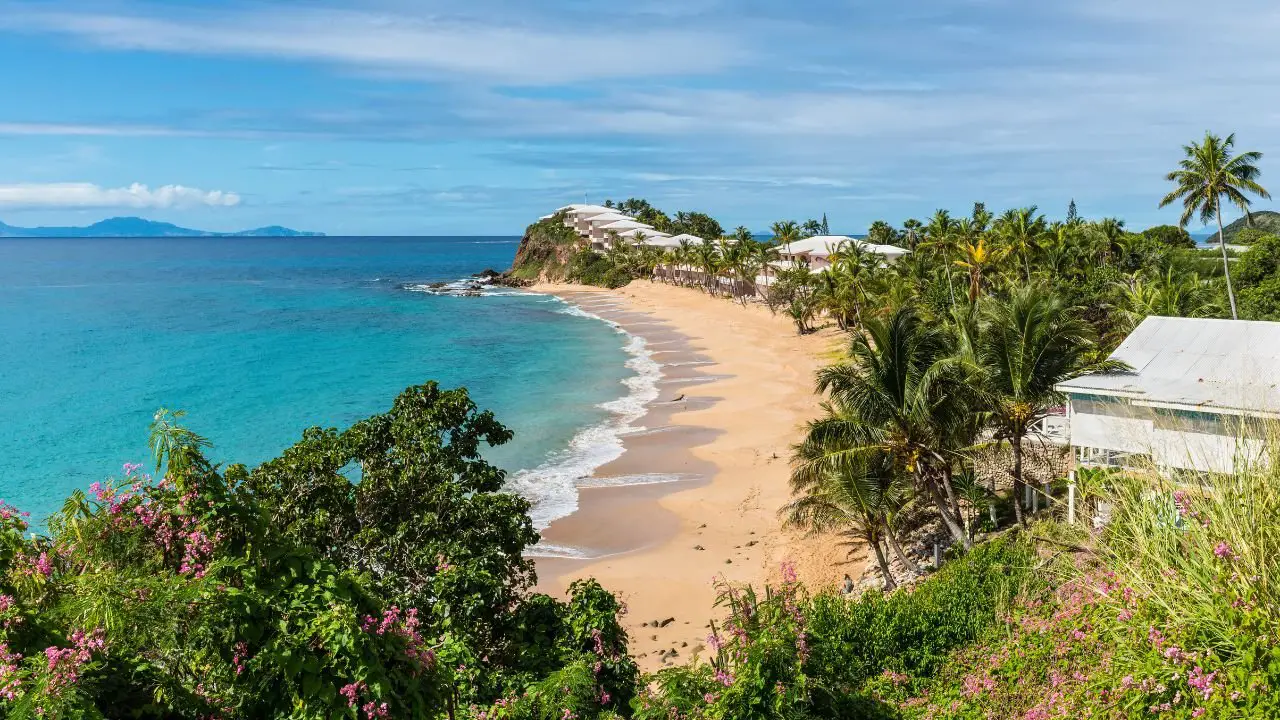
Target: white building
point(602, 231)
point(816, 252)
point(580, 217)
point(1197, 397)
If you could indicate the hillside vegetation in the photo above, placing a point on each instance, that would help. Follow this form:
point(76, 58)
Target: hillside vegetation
point(1260, 222)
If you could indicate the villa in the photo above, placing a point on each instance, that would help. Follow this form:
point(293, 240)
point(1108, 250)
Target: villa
point(1196, 398)
point(815, 252)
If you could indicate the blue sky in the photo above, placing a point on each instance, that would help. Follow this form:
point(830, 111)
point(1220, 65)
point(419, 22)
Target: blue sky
point(425, 117)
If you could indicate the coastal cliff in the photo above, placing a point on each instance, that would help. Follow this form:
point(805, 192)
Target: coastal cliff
point(552, 252)
point(545, 252)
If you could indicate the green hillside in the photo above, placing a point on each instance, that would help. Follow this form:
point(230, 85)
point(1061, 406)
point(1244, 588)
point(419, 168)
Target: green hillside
point(1268, 221)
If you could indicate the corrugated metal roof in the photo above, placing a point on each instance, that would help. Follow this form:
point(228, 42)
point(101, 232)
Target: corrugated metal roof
point(1215, 364)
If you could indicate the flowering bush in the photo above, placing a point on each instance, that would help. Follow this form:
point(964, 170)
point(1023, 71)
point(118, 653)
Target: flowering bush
point(291, 592)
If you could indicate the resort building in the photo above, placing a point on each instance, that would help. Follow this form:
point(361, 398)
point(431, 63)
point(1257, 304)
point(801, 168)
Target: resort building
point(816, 252)
point(603, 230)
point(1198, 397)
point(580, 218)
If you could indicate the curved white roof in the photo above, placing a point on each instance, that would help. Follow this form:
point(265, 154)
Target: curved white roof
point(582, 211)
point(605, 218)
point(825, 245)
point(676, 239)
point(627, 224)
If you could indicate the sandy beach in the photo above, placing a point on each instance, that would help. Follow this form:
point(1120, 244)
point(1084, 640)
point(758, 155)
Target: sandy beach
point(736, 389)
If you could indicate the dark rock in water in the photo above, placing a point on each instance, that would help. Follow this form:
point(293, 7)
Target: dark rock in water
point(505, 280)
point(437, 285)
point(488, 274)
point(471, 293)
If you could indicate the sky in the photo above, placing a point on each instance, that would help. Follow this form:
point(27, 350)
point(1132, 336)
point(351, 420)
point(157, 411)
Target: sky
point(420, 117)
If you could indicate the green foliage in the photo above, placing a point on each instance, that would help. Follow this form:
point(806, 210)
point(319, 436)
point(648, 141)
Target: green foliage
point(1171, 236)
point(1249, 236)
point(544, 249)
point(293, 592)
point(912, 633)
point(1266, 222)
point(589, 267)
point(787, 655)
point(1261, 262)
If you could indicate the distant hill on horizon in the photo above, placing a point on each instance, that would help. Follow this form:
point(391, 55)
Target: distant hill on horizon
point(1267, 221)
point(139, 227)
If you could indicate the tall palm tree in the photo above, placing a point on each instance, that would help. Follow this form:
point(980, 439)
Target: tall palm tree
point(1022, 231)
point(811, 228)
point(1207, 174)
point(902, 393)
point(766, 254)
point(941, 232)
point(708, 259)
point(742, 234)
point(785, 231)
point(857, 499)
point(1026, 346)
point(978, 259)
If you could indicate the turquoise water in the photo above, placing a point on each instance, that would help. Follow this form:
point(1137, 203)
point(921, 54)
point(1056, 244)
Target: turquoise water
point(258, 339)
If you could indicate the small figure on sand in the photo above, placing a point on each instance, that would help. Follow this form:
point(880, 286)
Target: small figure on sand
point(848, 585)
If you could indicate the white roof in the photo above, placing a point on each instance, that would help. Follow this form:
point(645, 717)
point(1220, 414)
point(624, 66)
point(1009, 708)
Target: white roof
point(606, 218)
point(682, 237)
point(583, 211)
point(648, 233)
point(1223, 365)
point(626, 224)
point(824, 245)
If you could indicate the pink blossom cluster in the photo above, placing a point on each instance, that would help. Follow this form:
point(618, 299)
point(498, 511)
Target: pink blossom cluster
point(10, 679)
point(407, 628)
point(64, 664)
point(10, 515)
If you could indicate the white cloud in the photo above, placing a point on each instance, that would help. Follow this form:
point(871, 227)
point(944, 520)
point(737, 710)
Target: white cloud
point(407, 44)
point(88, 195)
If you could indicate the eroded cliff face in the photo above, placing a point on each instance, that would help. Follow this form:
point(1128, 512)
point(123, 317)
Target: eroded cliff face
point(544, 253)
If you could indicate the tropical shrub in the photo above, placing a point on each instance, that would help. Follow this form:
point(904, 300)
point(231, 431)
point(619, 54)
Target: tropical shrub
point(293, 591)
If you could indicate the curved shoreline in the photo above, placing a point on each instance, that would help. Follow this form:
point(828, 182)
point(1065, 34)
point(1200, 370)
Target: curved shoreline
point(745, 380)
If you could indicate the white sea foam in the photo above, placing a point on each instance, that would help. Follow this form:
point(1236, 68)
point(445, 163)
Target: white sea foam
point(632, 480)
point(551, 550)
point(553, 485)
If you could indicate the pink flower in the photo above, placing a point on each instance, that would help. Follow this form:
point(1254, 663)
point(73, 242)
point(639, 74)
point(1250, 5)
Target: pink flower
point(788, 572)
point(1223, 551)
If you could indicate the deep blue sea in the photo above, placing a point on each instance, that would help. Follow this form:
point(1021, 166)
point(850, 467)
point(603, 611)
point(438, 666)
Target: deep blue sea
point(259, 338)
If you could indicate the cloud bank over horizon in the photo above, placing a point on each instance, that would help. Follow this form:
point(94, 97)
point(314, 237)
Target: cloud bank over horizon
point(88, 195)
point(390, 116)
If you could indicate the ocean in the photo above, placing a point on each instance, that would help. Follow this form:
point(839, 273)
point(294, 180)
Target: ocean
point(260, 338)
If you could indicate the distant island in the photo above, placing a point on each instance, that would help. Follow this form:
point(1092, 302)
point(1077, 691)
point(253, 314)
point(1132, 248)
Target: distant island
point(139, 227)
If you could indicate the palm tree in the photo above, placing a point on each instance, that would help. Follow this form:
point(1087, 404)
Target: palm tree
point(785, 232)
point(766, 254)
point(1022, 232)
point(1170, 295)
point(708, 258)
point(1207, 174)
point(857, 498)
point(811, 228)
point(941, 232)
point(1026, 346)
point(742, 235)
point(978, 259)
point(902, 393)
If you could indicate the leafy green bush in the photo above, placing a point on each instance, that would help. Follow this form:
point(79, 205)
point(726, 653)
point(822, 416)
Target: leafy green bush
point(913, 632)
point(293, 592)
point(786, 655)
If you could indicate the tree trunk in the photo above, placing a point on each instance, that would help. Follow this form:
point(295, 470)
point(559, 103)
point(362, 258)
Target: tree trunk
point(1018, 485)
point(944, 511)
point(889, 583)
point(1226, 264)
point(894, 545)
point(951, 493)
